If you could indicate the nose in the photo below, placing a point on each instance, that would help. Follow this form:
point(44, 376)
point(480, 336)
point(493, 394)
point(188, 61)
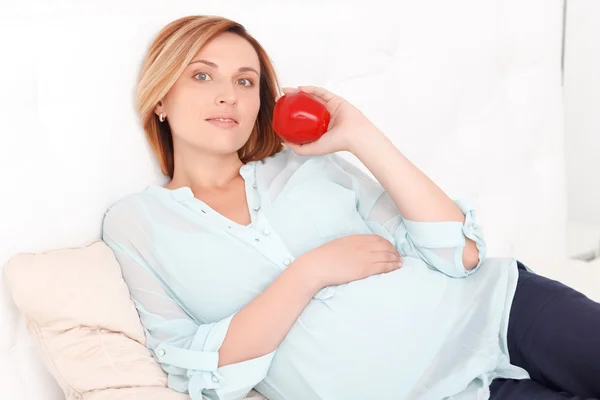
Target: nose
point(226, 95)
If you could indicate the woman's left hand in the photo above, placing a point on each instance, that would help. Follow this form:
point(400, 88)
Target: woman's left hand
point(348, 127)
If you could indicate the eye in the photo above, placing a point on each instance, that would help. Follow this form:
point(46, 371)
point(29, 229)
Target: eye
point(247, 82)
point(202, 76)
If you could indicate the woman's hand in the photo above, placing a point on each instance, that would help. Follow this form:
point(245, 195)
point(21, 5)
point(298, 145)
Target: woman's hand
point(348, 127)
point(348, 259)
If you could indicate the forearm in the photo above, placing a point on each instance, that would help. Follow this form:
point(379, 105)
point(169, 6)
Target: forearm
point(416, 196)
point(259, 327)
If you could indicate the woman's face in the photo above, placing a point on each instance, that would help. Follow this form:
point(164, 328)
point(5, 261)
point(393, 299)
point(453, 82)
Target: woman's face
point(221, 81)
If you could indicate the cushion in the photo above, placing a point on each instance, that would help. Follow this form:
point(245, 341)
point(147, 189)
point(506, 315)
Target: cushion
point(86, 328)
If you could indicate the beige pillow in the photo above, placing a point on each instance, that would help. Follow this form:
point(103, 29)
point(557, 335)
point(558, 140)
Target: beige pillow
point(89, 335)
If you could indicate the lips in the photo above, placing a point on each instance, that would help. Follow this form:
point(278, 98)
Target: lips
point(223, 119)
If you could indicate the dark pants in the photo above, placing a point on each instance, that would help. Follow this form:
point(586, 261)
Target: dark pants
point(554, 334)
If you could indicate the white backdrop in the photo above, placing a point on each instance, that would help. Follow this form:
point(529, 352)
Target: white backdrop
point(469, 90)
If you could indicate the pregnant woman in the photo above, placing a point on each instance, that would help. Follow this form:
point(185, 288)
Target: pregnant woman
point(290, 270)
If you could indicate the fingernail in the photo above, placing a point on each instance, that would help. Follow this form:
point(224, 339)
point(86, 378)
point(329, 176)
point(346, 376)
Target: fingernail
point(400, 264)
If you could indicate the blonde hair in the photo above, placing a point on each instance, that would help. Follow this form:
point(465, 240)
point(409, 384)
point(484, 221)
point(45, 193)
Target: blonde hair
point(169, 54)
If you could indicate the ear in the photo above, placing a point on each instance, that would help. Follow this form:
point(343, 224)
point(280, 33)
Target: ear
point(159, 109)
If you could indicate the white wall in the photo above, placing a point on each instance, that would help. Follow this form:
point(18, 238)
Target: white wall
point(582, 111)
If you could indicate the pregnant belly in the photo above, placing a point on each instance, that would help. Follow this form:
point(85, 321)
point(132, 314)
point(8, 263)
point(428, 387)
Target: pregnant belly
point(373, 339)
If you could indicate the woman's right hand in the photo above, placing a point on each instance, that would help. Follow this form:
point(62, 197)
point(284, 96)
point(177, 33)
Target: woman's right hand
point(350, 258)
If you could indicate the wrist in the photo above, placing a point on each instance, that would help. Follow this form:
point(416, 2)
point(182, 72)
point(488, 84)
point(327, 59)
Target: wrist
point(367, 140)
point(304, 274)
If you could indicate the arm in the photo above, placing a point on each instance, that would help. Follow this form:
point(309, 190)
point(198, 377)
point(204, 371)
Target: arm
point(224, 359)
point(276, 309)
point(424, 201)
point(422, 220)
point(439, 244)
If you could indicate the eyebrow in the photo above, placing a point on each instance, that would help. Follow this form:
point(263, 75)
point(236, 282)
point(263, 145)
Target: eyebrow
point(213, 65)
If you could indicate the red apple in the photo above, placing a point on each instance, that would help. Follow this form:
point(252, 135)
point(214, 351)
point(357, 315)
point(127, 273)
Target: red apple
point(299, 118)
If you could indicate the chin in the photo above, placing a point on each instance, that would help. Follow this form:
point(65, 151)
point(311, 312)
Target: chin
point(226, 146)
point(219, 141)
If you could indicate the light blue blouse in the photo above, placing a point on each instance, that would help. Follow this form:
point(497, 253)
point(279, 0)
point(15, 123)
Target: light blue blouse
point(420, 332)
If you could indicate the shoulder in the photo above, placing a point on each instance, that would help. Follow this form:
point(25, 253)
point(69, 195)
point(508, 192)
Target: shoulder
point(123, 215)
point(124, 205)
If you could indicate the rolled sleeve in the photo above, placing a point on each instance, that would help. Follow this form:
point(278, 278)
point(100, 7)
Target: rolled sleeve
point(441, 244)
point(231, 381)
point(191, 358)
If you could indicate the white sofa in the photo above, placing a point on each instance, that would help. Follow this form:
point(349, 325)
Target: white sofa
point(469, 90)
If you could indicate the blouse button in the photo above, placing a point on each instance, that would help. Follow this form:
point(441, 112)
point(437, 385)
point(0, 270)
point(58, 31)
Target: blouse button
point(254, 185)
point(256, 208)
point(161, 352)
point(215, 379)
point(266, 232)
point(287, 261)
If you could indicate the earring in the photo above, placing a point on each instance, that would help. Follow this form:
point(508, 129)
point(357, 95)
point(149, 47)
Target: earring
point(161, 118)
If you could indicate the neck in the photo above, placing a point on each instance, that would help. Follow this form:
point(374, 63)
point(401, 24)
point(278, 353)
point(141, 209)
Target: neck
point(202, 170)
